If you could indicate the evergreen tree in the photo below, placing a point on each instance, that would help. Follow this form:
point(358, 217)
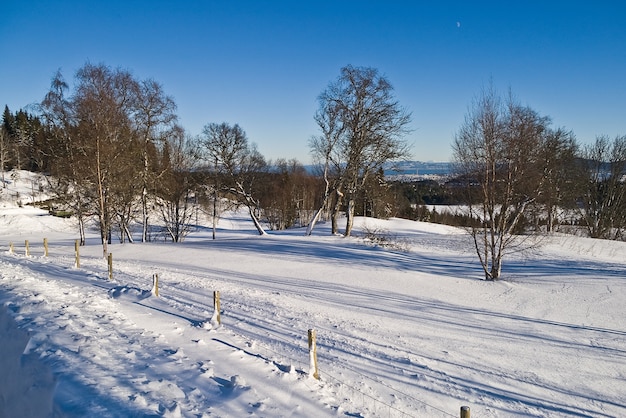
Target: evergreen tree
point(7, 119)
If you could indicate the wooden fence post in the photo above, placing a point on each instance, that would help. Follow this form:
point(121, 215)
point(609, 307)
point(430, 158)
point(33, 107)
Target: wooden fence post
point(110, 262)
point(155, 285)
point(217, 308)
point(313, 370)
point(465, 412)
point(45, 247)
point(26, 248)
point(77, 253)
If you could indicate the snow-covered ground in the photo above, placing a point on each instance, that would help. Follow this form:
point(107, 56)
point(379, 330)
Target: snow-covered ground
point(410, 331)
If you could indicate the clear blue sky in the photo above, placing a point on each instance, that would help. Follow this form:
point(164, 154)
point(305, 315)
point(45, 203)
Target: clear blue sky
point(262, 64)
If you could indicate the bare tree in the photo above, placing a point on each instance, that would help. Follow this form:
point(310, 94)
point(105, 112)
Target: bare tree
point(177, 186)
point(559, 164)
point(284, 194)
point(154, 115)
point(126, 188)
point(100, 136)
point(364, 126)
point(103, 105)
point(236, 165)
point(498, 153)
point(324, 149)
point(71, 188)
point(602, 188)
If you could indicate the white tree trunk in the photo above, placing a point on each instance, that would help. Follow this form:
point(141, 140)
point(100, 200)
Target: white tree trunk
point(316, 217)
point(256, 222)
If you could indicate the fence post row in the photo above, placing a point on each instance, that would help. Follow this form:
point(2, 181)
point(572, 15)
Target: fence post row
point(312, 334)
point(313, 370)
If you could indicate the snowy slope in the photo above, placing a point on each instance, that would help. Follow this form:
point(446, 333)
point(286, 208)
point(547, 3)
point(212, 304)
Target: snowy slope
point(400, 333)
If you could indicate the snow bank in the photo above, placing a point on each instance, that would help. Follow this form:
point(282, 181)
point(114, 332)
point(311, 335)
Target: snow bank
point(26, 383)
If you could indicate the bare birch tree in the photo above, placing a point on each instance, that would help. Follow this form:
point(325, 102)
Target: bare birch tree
point(559, 162)
point(235, 163)
point(324, 149)
point(603, 188)
point(154, 115)
point(103, 104)
point(498, 152)
point(177, 186)
point(363, 127)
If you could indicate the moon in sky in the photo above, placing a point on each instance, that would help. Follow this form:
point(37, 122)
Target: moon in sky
point(458, 24)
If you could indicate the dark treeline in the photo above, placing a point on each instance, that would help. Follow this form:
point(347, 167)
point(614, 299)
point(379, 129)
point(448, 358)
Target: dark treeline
point(23, 142)
point(116, 154)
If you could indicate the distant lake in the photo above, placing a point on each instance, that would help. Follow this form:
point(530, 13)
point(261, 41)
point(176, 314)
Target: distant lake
point(419, 168)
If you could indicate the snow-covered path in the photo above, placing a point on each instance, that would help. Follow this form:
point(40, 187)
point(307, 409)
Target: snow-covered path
point(135, 352)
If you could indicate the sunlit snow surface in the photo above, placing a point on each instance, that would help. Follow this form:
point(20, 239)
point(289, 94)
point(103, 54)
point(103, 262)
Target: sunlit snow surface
point(407, 330)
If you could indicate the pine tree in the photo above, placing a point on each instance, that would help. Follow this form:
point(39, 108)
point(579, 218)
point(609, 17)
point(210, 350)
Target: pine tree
point(8, 120)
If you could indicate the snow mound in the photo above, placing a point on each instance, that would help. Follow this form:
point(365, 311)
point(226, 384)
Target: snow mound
point(129, 293)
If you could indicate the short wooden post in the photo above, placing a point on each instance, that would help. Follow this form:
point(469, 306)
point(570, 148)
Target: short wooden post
point(11, 249)
point(110, 262)
point(45, 247)
point(155, 285)
point(77, 253)
point(26, 248)
point(465, 412)
point(217, 308)
point(313, 370)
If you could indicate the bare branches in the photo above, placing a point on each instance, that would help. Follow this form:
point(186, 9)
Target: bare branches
point(154, 118)
point(236, 164)
point(363, 127)
point(178, 183)
point(602, 187)
point(499, 153)
point(100, 134)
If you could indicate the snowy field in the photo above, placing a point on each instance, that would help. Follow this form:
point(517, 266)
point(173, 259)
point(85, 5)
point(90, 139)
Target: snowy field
point(404, 331)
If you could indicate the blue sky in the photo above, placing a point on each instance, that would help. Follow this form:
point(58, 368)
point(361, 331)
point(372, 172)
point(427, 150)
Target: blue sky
point(262, 64)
